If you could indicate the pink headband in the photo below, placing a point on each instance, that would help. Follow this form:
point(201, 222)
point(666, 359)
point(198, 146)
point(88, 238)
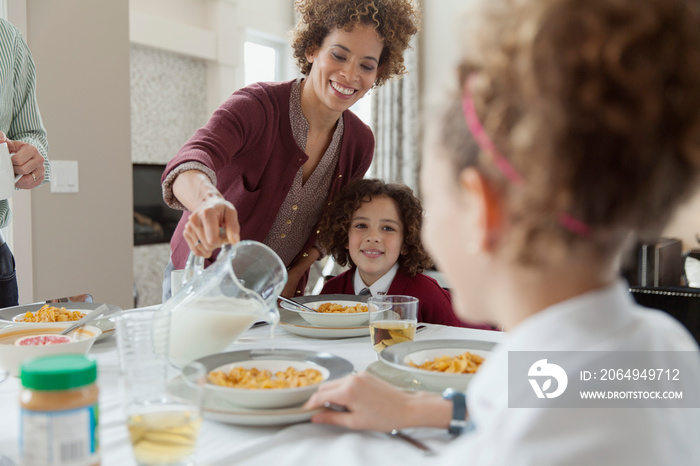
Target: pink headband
point(567, 221)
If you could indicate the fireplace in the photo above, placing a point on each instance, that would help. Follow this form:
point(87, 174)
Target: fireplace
point(154, 221)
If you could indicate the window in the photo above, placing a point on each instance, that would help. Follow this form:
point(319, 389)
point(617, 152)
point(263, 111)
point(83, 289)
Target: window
point(264, 58)
point(260, 63)
point(363, 109)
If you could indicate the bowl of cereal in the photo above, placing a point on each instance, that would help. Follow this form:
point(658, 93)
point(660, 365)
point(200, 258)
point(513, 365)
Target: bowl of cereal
point(19, 343)
point(39, 314)
point(269, 379)
point(334, 310)
point(439, 364)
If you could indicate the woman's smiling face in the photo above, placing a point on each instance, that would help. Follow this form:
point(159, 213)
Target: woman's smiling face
point(345, 66)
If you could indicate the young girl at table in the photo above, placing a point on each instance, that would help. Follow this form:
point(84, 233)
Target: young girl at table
point(375, 227)
point(576, 123)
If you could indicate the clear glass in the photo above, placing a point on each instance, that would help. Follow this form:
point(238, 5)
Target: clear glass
point(392, 320)
point(163, 427)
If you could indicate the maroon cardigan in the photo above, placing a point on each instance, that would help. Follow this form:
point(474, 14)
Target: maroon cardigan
point(248, 143)
point(434, 303)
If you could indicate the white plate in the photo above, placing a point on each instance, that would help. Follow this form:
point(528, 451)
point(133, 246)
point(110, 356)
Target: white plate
point(397, 377)
point(293, 323)
point(418, 352)
point(106, 325)
point(220, 408)
point(323, 319)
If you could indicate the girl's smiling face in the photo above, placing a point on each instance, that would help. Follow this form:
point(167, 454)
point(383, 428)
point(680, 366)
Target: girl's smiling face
point(375, 238)
point(345, 66)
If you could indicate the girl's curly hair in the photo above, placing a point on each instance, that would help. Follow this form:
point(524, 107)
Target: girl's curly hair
point(595, 103)
point(335, 223)
point(394, 20)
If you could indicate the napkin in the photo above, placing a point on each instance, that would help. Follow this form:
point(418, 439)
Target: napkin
point(692, 271)
point(324, 444)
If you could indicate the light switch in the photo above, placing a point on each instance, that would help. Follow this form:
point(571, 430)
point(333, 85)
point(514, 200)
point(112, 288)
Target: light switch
point(64, 176)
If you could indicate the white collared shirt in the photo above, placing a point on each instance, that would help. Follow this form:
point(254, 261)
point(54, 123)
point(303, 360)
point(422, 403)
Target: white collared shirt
point(378, 288)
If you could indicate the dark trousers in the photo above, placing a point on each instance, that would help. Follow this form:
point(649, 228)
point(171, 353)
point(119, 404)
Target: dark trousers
point(9, 295)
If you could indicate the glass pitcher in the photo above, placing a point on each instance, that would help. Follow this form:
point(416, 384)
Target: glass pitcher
point(218, 303)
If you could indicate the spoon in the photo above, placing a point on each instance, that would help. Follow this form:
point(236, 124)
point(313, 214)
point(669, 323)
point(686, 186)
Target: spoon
point(89, 317)
point(296, 304)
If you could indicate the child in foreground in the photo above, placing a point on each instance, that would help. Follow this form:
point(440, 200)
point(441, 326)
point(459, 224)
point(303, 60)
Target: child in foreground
point(576, 123)
point(375, 227)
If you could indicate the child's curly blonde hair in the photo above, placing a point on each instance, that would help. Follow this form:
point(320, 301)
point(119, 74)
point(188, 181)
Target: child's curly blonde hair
point(394, 20)
point(335, 223)
point(595, 103)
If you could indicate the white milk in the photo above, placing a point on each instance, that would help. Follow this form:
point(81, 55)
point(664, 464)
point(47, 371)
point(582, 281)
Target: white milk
point(209, 327)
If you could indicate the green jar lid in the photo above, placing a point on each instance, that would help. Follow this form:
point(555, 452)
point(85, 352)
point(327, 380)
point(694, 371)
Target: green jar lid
point(59, 372)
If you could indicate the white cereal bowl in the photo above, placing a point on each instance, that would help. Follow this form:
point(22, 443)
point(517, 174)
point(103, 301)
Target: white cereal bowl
point(268, 398)
point(12, 357)
point(418, 352)
point(329, 319)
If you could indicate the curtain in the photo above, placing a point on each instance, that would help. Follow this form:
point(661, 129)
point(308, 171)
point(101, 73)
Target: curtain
point(396, 125)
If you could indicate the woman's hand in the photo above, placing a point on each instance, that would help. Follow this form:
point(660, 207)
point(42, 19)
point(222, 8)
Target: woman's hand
point(375, 405)
point(213, 221)
point(26, 161)
point(205, 226)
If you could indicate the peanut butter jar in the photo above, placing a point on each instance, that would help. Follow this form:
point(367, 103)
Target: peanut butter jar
point(59, 411)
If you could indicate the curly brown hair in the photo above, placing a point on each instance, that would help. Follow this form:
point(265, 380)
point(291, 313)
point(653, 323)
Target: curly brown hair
point(335, 223)
point(394, 20)
point(596, 104)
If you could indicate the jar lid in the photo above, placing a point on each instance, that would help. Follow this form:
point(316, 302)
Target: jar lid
point(59, 372)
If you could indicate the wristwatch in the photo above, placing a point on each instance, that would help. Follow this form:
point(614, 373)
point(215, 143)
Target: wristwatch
point(459, 410)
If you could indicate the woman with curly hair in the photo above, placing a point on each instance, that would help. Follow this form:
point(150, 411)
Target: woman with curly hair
point(576, 123)
point(375, 228)
point(268, 160)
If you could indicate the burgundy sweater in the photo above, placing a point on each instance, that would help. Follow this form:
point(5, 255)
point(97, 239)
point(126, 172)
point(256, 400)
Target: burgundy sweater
point(248, 143)
point(434, 302)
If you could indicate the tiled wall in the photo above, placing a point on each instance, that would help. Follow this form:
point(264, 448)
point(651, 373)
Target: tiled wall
point(168, 104)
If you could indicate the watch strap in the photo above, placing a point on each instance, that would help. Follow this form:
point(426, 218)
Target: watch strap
point(458, 423)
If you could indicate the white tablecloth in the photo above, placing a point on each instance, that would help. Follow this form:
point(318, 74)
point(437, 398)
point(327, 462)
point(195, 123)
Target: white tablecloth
point(224, 444)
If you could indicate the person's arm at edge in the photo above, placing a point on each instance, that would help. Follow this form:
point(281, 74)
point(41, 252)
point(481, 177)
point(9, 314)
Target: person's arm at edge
point(27, 126)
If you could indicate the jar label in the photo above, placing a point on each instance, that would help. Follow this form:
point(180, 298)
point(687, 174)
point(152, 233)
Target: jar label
point(59, 438)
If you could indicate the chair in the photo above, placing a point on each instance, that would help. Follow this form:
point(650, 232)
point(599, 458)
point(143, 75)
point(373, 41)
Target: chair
point(681, 302)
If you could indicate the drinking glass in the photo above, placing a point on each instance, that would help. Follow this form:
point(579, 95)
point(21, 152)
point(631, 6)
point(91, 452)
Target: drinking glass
point(163, 427)
point(392, 320)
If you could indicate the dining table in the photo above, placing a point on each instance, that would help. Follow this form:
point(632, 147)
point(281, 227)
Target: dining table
point(226, 443)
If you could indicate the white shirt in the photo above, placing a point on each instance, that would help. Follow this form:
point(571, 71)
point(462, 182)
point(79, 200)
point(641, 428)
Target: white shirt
point(378, 288)
point(604, 320)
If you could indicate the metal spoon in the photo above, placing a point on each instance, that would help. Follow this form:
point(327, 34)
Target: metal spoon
point(299, 305)
point(89, 317)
